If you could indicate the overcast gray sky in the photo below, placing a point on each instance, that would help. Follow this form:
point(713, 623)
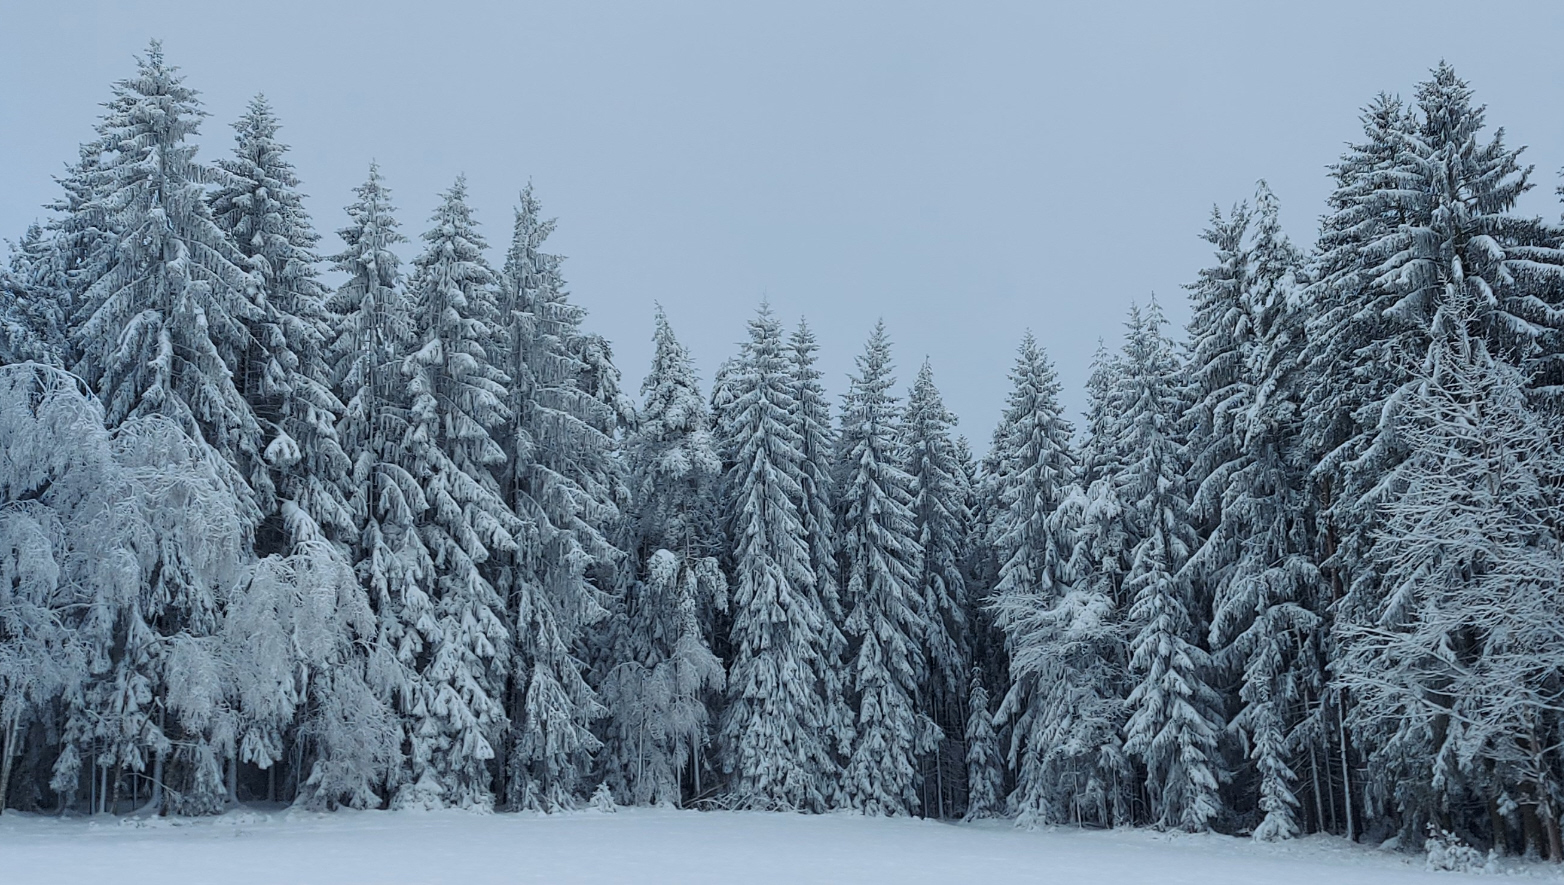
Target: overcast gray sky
point(964, 170)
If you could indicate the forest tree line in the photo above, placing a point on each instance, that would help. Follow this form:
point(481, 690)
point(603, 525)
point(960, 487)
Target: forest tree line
point(405, 541)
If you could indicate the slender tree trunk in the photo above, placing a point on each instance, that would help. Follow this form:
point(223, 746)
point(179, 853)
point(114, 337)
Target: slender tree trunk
point(939, 780)
point(155, 804)
point(1531, 830)
point(1496, 821)
point(1346, 771)
point(8, 754)
point(1314, 773)
point(1550, 827)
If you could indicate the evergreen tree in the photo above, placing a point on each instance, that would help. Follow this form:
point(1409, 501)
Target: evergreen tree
point(881, 561)
point(164, 316)
point(160, 325)
point(283, 372)
point(374, 323)
point(1065, 746)
point(942, 521)
point(32, 321)
point(773, 735)
point(457, 401)
point(284, 376)
point(985, 766)
point(1173, 723)
point(659, 693)
point(1421, 216)
point(1253, 561)
point(1456, 668)
point(816, 509)
point(563, 479)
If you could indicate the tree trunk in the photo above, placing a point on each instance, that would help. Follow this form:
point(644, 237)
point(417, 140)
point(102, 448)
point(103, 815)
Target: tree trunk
point(155, 804)
point(1531, 830)
point(1496, 821)
point(8, 756)
point(1319, 803)
point(1346, 770)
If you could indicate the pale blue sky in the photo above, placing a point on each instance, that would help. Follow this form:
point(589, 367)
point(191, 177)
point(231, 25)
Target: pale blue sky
point(965, 170)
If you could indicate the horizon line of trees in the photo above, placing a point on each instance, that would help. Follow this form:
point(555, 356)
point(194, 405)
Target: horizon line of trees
point(407, 543)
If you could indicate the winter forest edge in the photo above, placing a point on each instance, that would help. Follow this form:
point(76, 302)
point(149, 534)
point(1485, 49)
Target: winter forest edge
point(407, 543)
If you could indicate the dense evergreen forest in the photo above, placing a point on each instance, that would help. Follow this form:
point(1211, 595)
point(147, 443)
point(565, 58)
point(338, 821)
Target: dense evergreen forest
point(406, 541)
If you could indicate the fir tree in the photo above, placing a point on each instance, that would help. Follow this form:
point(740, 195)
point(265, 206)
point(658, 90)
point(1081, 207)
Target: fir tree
point(164, 317)
point(563, 479)
point(1456, 668)
point(985, 766)
point(773, 735)
point(160, 327)
point(881, 561)
point(1421, 219)
point(1253, 562)
point(1064, 712)
point(942, 521)
point(284, 376)
point(283, 371)
point(816, 509)
point(1173, 722)
point(659, 692)
point(32, 318)
point(456, 404)
point(374, 333)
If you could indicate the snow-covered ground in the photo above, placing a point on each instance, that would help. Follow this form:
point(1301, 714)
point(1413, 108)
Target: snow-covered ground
point(661, 846)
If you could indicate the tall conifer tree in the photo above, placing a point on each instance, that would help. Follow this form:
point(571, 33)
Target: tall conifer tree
point(774, 740)
point(881, 561)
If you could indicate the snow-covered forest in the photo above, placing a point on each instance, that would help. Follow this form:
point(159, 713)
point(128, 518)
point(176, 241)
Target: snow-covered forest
point(295, 521)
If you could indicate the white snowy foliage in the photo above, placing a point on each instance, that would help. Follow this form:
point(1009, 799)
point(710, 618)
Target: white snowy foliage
point(880, 561)
point(773, 733)
point(666, 676)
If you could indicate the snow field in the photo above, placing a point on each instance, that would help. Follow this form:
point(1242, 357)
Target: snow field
point(656, 846)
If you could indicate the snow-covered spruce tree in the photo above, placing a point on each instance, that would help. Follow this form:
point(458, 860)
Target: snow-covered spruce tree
point(816, 509)
point(880, 562)
point(1174, 721)
point(1456, 665)
point(659, 693)
point(81, 243)
point(1219, 342)
point(457, 404)
point(283, 371)
point(1420, 211)
point(1061, 705)
point(32, 316)
point(985, 764)
point(374, 332)
point(774, 743)
point(562, 477)
point(1253, 560)
point(284, 376)
point(163, 319)
point(942, 520)
point(159, 327)
point(19, 341)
